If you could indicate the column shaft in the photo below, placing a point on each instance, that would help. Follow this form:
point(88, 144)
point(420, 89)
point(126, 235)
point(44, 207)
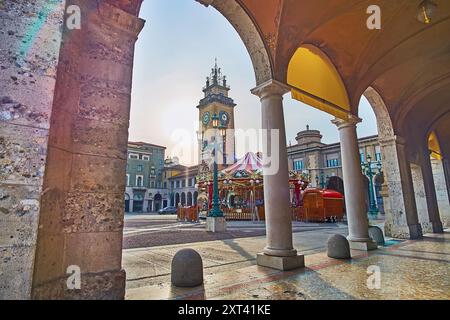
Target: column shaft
point(355, 190)
point(279, 252)
point(430, 192)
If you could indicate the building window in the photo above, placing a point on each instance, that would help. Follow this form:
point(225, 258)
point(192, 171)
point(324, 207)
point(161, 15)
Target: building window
point(139, 181)
point(152, 172)
point(140, 168)
point(332, 163)
point(298, 165)
point(152, 184)
point(133, 156)
point(146, 158)
point(178, 183)
point(378, 153)
point(128, 180)
point(172, 184)
point(165, 185)
point(183, 183)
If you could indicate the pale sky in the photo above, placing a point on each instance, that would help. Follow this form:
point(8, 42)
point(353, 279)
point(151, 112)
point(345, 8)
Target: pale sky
point(174, 54)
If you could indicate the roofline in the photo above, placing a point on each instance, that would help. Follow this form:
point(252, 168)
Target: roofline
point(146, 144)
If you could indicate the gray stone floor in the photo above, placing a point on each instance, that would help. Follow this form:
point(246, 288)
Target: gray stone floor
point(408, 270)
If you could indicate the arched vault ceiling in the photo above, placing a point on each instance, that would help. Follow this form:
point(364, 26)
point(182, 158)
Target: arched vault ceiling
point(426, 112)
point(404, 57)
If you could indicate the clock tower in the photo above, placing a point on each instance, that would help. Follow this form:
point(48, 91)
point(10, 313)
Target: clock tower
point(216, 102)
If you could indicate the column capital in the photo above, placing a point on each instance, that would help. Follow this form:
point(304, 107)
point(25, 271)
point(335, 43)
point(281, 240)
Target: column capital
point(352, 121)
point(270, 88)
point(394, 139)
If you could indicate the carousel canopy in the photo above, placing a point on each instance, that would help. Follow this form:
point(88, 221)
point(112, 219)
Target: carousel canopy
point(248, 165)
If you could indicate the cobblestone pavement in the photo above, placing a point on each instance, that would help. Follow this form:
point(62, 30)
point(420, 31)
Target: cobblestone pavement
point(152, 231)
point(409, 270)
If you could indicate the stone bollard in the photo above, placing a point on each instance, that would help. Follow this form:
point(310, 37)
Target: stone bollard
point(187, 269)
point(338, 247)
point(376, 234)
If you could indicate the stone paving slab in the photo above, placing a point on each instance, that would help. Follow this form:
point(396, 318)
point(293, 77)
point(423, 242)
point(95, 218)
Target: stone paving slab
point(409, 270)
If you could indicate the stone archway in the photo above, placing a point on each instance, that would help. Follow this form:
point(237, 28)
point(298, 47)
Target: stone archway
point(399, 202)
point(88, 131)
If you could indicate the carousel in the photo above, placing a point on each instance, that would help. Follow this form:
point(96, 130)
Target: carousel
point(241, 189)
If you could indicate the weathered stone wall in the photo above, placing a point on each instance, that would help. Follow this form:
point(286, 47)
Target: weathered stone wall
point(30, 36)
point(400, 207)
point(81, 218)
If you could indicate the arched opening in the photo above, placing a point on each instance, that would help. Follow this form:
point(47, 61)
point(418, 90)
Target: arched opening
point(127, 202)
point(92, 104)
point(437, 166)
point(189, 199)
point(183, 199)
point(195, 198)
point(177, 199)
point(172, 199)
point(138, 203)
point(392, 181)
point(158, 202)
point(316, 82)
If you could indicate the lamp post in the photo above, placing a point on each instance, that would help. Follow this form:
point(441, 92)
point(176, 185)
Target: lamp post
point(215, 211)
point(322, 180)
point(367, 170)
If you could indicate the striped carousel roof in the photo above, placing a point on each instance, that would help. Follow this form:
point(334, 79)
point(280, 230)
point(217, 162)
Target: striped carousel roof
point(249, 164)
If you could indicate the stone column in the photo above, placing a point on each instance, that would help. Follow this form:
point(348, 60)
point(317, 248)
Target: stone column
point(401, 215)
point(279, 252)
point(446, 168)
point(442, 191)
point(430, 192)
point(81, 216)
point(355, 191)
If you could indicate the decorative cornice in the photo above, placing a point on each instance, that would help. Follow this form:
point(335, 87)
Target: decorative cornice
point(217, 98)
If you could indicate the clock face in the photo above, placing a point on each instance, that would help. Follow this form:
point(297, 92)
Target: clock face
point(206, 118)
point(224, 118)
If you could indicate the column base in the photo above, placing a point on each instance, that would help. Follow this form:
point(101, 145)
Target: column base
point(94, 286)
point(437, 227)
point(216, 224)
point(403, 231)
point(367, 245)
point(415, 231)
point(280, 263)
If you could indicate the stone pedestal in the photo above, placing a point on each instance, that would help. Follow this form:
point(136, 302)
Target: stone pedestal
point(216, 224)
point(280, 263)
point(362, 245)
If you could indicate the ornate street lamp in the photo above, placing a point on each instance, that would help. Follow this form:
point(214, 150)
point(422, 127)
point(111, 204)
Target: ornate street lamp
point(215, 210)
point(367, 170)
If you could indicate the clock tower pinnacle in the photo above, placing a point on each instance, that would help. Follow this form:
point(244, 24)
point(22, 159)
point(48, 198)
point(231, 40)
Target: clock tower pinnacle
point(216, 102)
